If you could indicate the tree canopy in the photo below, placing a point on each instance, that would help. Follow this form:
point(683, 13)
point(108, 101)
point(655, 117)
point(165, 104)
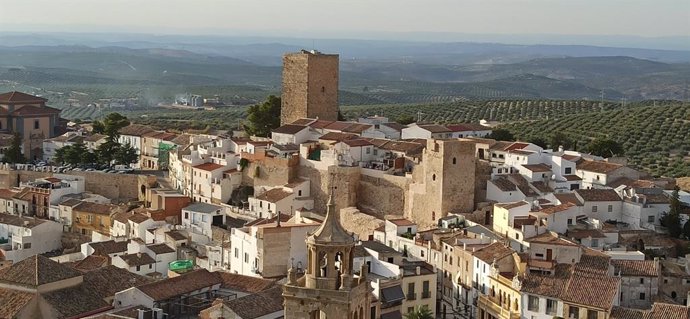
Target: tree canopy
point(405, 119)
point(111, 125)
point(419, 313)
point(605, 148)
point(13, 154)
point(262, 118)
point(561, 139)
point(671, 220)
point(501, 134)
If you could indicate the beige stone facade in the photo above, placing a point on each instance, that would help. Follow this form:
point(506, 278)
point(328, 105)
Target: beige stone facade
point(310, 86)
point(443, 183)
point(329, 288)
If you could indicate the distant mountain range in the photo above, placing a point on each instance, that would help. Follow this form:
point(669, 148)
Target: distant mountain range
point(372, 72)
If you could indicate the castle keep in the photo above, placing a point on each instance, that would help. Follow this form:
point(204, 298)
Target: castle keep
point(310, 86)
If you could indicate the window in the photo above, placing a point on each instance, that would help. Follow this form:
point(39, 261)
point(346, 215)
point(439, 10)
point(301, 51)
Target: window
point(568, 170)
point(573, 312)
point(246, 258)
point(592, 314)
point(595, 242)
point(138, 268)
point(150, 266)
point(299, 193)
point(610, 208)
point(368, 150)
point(595, 209)
point(433, 177)
point(323, 89)
point(673, 294)
point(421, 252)
point(426, 293)
point(570, 221)
point(551, 306)
point(390, 260)
point(642, 296)
point(37, 124)
point(410, 291)
point(376, 151)
point(455, 161)
point(641, 281)
point(597, 177)
point(237, 253)
point(27, 245)
point(533, 304)
point(650, 219)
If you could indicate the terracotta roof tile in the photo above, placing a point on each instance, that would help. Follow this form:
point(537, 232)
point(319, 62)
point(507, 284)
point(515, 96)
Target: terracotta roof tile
point(337, 136)
point(14, 220)
point(627, 313)
point(493, 252)
point(598, 166)
point(402, 222)
point(138, 259)
point(274, 195)
point(258, 305)
point(434, 128)
point(108, 280)
point(135, 130)
point(20, 97)
point(35, 110)
point(567, 198)
point(512, 205)
point(357, 142)
point(550, 239)
point(289, 129)
point(108, 247)
point(638, 268)
point(598, 195)
point(138, 218)
point(209, 167)
point(357, 128)
point(91, 262)
point(160, 249)
point(669, 311)
point(539, 168)
point(176, 286)
point(75, 301)
point(96, 208)
point(36, 271)
point(594, 291)
point(13, 301)
point(243, 283)
point(504, 184)
point(557, 208)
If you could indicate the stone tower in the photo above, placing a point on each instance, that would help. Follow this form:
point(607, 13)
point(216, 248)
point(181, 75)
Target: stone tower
point(328, 288)
point(443, 183)
point(310, 86)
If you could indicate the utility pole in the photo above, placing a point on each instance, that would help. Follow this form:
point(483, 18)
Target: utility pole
point(419, 116)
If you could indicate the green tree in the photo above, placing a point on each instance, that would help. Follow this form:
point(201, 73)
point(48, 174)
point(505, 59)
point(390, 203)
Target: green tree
point(671, 220)
point(112, 124)
point(262, 118)
point(605, 148)
point(419, 313)
point(13, 154)
point(341, 117)
point(405, 119)
point(126, 154)
point(501, 134)
point(98, 127)
point(89, 157)
point(538, 141)
point(561, 139)
point(106, 151)
point(73, 153)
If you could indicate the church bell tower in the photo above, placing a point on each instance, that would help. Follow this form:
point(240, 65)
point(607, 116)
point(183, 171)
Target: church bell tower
point(328, 289)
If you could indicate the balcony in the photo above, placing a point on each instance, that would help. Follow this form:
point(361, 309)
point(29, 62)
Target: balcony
point(426, 294)
point(411, 296)
point(485, 303)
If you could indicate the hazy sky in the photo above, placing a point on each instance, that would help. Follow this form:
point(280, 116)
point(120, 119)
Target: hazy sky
point(325, 17)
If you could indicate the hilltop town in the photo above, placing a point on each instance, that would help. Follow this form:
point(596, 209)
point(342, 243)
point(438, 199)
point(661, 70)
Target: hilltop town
point(327, 218)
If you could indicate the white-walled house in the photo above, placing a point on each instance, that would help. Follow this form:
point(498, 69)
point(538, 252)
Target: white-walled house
point(425, 131)
point(23, 237)
point(132, 135)
point(601, 204)
point(598, 174)
point(138, 263)
point(290, 134)
point(284, 200)
point(199, 217)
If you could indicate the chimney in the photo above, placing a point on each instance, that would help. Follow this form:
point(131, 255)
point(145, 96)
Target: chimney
point(278, 219)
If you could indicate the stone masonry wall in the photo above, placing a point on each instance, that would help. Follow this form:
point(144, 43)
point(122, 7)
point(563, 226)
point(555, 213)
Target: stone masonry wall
point(114, 186)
